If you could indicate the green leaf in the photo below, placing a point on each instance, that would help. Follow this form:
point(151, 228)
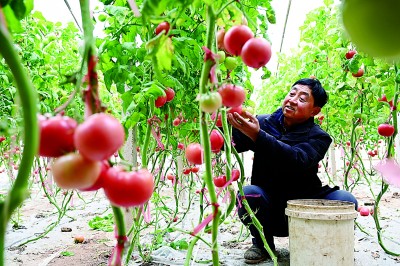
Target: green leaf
point(67, 253)
point(105, 223)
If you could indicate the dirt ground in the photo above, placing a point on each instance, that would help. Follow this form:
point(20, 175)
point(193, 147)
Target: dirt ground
point(58, 247)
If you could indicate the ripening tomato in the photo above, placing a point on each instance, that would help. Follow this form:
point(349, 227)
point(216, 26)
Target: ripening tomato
point(210, 102)
point(218, 123)
point(128, 189)
point(73, 171)
point(256, 52)
point(236, 37)
point(216, 140)
point(232, 95)
point(237, 109)
point(235, 174)
point(176, 122)
point(359, 73)
point(170, 93)
point(99, 181)
point(56, 135)
point(373, 26)
point(385, 130)
point(194, 153)
point(99, 136)
point(350, 54)
point(220, 39)
point(162, 26)
point(160, 101)
point(219, 181)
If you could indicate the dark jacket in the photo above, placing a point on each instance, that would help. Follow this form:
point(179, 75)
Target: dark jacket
point(286, 161)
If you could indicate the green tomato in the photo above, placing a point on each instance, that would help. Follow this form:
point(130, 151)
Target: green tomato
point(102, 17)
point(231, 63)
point(210, 102)
point(373, 26)
point(222, 56)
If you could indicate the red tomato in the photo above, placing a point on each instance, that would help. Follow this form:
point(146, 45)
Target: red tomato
point(56, 135)
point(2, 139)
point(350, 54)
point(181, 146)
point(210, 102)
point(194, 153)
point(194, 169)
point(176, 121)
point(73, 171)
point(364, 211)
point(219, 120)
point(100, 180)
point(99, 137)
point(216, 140)
point(186, 171)
point(170, 176)
point(237, 109)
point(219, 181)
point(220, 39)
point(160, 101)
point(232, 96)
point(385, 130)
point(128, 189)
point(359, 73)
point(162, 26)
point(236, 37)
point(235, 174)
point(256, 52)
point(170, 94)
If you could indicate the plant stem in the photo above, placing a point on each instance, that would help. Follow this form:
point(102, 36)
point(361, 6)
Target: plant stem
point(28, 96)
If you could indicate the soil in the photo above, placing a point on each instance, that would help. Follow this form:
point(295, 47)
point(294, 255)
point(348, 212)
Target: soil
point(58, 248)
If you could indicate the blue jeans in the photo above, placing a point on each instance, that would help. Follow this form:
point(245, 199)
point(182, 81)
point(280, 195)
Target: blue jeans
point(271, 213)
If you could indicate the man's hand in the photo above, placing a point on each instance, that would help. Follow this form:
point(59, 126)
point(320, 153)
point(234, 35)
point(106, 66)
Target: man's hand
point(246, 123)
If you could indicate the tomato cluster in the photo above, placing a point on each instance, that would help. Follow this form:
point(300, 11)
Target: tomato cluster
point(162, 100)
point(82, 152)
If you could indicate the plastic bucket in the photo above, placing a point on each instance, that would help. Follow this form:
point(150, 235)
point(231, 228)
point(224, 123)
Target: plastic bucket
point(321, 232)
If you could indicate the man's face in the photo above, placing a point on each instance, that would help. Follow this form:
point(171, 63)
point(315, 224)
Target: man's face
point(298, 105)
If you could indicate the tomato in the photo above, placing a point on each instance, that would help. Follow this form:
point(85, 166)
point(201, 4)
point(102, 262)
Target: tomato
point(210, 102)
point(220, 39)
point(222, 56)
point(216, 140)
point(79, 239)
point(170, 176)
point(73, 171)
point(194, 153)
point(350, 54)
point(235, 174)
point(128, 189)
point(181, 146)
point(170, 94)
point(219, 181)
point(100, 180)
point(231, 63)
point(2, 139)
point(373, 26)
point(256, 52)
point(236, 37)
point(186, 171)
point(160, 101)
point(385, 130)
point(237, 109)
point(56, 135)
point(359, 73)
point(162, 26)
point(99, 136)
point(176, 122)
point(232, 95)
point(364, 211)
point(219, 120)
point(195, 169)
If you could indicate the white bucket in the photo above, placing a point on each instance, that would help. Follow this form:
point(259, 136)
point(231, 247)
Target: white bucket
point(321, 232)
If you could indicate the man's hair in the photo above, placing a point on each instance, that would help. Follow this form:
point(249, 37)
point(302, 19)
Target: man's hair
point(317, 91)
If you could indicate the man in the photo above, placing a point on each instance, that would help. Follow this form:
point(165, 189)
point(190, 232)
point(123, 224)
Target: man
point(287, 147)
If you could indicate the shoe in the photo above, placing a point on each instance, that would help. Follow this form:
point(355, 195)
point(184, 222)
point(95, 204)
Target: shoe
point(255, 255)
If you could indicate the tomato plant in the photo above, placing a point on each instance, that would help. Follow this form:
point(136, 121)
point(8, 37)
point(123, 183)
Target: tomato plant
point(73, 171)
point(99, 136)
point(128, 189)
point(232, 95)
point(236, 37)
point(56, 135)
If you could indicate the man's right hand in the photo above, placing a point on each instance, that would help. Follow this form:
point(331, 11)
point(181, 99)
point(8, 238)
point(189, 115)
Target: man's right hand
point(245, 123)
